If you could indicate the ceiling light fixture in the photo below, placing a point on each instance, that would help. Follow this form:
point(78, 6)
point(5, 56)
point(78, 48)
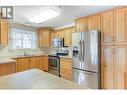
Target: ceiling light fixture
point(45, 15)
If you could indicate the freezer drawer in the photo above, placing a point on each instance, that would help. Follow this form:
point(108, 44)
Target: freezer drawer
point(86, 79)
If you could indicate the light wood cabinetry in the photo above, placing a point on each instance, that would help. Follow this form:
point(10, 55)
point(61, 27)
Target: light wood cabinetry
point(7, 68)
point(40, 62)
point(68, 36)
point(66, 68)
point(120, 30)
point(4, 26)
point(107, 28)
point(94, 22)
point(113, 27)
point(32, 61)
point(120, 64)
point(44, 37)
point(107, 67)
point(81, 24)
point(22, 64)
point(113, 70)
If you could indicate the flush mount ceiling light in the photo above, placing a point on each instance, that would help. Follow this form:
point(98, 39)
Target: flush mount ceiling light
point(45, 15)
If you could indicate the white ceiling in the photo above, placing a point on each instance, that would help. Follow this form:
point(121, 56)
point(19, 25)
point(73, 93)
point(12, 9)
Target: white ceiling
point(68, 14)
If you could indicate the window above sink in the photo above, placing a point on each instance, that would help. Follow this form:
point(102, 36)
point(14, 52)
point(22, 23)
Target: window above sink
point(22, 39)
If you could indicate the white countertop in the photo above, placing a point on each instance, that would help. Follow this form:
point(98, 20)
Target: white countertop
point(6, 60)
point(36, 79)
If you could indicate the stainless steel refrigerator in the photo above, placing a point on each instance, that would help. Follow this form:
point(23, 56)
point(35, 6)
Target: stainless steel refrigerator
point(85, 64)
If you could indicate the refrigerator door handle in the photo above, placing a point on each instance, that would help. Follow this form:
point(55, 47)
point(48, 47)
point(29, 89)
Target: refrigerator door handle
point(80, 53)
point(83, 51)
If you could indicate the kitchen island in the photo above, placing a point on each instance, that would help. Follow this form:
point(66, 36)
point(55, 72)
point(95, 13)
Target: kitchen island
point(36, 79)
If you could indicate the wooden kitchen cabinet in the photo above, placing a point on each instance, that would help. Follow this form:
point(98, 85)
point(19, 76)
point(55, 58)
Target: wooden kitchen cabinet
point(81, 24)
point(107, 28)
point(61, 33)
point(66, 68)
point(113, 67)
point(4, 26)
point(39, 62)
point(94, 22)
point(22, 64)
point(107, 67)
point(68, 36)
point(53, 34)
point(32, 61)
point(7, 68)
point(44, 37)
point(120, 30)
point(120, 64)
point(42, 63)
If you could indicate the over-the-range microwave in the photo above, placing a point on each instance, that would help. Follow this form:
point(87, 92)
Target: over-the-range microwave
point(58, 42)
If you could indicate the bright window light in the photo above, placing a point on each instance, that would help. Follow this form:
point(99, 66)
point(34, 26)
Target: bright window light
point(45, 15)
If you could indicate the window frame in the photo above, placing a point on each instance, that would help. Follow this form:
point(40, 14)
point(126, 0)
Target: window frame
point(23, 32)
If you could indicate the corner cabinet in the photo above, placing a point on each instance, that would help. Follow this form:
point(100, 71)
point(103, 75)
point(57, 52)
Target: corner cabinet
point(44, 37)
point(4, 26)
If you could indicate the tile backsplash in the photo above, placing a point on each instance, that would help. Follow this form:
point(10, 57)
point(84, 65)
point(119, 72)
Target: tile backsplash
point(5, 52)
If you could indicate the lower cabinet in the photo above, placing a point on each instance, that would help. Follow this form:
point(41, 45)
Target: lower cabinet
point(40, 62)
point(22, 64)
point(114, 67)
point(66, 68)
point(7, 68)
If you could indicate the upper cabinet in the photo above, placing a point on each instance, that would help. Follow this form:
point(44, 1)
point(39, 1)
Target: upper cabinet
point(120, 24)
point(81, 24)
point(113, 27)
point(107, 28)
point(94, 22)
point(68, 36)
point(44, 37)
point(4, 26)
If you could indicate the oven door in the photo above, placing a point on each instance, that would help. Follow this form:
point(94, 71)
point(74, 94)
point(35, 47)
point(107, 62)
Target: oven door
point(54, 63)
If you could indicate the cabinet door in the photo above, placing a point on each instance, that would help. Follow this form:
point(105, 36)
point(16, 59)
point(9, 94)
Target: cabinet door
point(4, 32)
point(60, 33)
point(32, 62)
point(120, 64)
point(44, 37)
point(107, 67)
point(94, 22)
point(7, 68)
point(23, 64)
point(81, 25)
point(66, 68)
point(68, 36)
point(120, 31)
point(45, 63)
point(10, 68)
point(107, 28)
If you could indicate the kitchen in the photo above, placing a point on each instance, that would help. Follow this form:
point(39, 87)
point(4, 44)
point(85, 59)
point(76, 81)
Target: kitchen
point(31, 48)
